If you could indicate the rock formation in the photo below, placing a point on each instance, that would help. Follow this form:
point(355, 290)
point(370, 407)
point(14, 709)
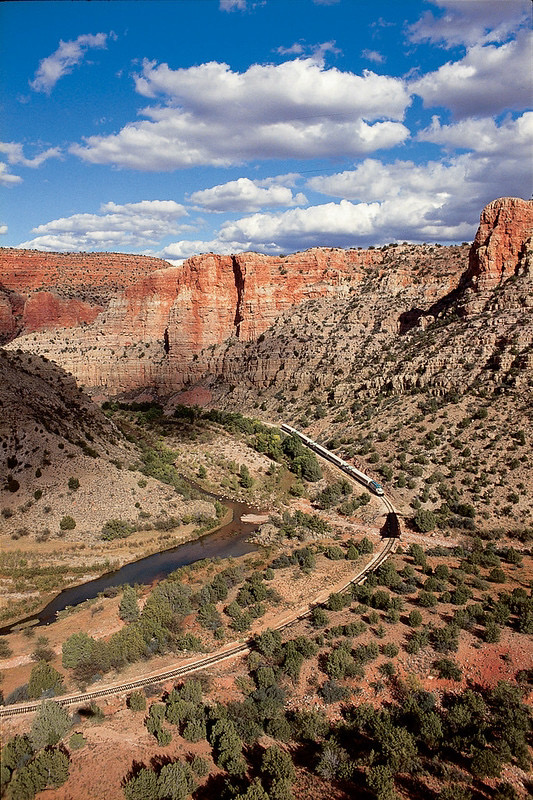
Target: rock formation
point(138, 323)
point(505, 226)
point(44, 291)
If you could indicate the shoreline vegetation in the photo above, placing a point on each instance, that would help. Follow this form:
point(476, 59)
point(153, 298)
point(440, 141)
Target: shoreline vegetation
point(191, 536)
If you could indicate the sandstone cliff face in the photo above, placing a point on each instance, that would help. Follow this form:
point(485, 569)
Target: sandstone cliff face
point(40, 291)
point(505, 226)
point(153, 332)
point(167, 328)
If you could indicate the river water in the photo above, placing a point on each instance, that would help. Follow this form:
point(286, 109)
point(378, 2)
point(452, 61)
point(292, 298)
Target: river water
point(229, 541)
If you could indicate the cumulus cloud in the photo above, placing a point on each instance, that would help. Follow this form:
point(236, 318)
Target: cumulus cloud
point(3, 229)
point(345, 224)
point(67, 56)
point(115, 226)
point(488, 80)
point(15, 154)
point(244, 194)
point(475, 21)
point(435, 201)
point(176, 252)
point(297, 109)
point(512, 136)
point(6, 176)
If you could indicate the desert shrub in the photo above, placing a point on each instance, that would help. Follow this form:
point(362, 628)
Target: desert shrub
point(415, 619)
point(425, 520)
point(67, 523)
point(116, 529)
point(77, 741)
point(44, 679)
point(447, 668)
point(5, 649)
point(137, 701)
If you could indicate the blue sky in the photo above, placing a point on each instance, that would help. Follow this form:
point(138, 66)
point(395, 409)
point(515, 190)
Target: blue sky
point(181, 127)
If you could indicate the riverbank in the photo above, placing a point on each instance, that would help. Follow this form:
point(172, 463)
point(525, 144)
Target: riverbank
point(227, 539)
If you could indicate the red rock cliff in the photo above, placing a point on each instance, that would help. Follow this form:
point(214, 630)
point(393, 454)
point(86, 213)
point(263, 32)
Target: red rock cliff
point(152, 332)
point(505, 226)
point(40, 291)
point(158, 326)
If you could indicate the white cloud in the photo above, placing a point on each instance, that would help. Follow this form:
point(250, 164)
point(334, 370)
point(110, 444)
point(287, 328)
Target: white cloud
point(488, 80)
point(6, 177)
point(495, 166)
point(317, 52)
point(244, 194)
point(512, 136)
point(471, 22)
point(436, 201)
point(297, 109)
point(67, 56)
point(128, 225)
point(15, 154)
point(373, 55)
point(295, 49)
point(233, 5)
point(3, 229)
point(178, 251)
point(345, 224)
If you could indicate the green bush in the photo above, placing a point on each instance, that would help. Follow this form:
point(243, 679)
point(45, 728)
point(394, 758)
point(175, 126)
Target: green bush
point(77, 741)
point(67, 523)
point(137, 701)
point(425, 521)
point(116, 529)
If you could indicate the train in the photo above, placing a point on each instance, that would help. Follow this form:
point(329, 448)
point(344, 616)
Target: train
point(371, 484)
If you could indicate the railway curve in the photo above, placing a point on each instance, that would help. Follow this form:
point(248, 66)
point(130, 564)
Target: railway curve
point(389, 546)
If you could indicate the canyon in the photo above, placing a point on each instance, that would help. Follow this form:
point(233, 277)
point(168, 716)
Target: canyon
point(122, 324)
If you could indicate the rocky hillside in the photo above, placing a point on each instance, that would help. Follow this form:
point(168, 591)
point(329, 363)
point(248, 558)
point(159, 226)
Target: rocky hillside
point(426, 345)
point(67, 472)
point(421, 396)
point(160, 332)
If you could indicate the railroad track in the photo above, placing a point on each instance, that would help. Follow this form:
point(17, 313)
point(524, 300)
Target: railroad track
point(389, 546)
point(202, 663)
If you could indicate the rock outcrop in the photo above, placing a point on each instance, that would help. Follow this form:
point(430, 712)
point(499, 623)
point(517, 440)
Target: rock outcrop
point(153, 331)
point(44, 291)
point(505, 226)
point(138, 323)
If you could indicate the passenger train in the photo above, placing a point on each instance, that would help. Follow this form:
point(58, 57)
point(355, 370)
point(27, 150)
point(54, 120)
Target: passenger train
point(371, 484)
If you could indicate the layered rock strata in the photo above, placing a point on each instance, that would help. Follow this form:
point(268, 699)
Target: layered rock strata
point(169, 328)
point(505, 227)
point(43, 291)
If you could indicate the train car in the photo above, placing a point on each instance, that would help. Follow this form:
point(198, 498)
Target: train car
point(371, 484)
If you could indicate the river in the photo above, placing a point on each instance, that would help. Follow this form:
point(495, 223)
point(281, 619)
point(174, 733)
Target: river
point(229, 541)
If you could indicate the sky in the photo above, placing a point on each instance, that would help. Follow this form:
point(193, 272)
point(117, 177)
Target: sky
point(191, 126)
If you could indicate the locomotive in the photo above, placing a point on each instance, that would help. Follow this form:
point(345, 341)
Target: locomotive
point(371, 484)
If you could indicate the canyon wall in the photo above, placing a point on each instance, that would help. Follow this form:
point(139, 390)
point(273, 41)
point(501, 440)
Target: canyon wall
point(43, 291)
point(153, 331)
point(136, 322)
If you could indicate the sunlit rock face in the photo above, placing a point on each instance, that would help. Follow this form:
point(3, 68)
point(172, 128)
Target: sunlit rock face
point(122, 323)
point(500, 245)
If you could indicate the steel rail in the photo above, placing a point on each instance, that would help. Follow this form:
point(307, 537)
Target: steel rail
point(379, 558)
